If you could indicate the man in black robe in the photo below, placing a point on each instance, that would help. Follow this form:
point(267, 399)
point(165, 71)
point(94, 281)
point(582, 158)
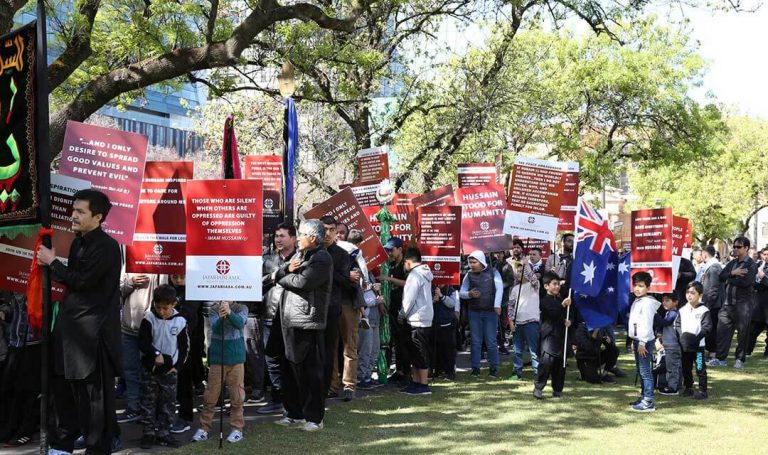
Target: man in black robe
point(85, 342)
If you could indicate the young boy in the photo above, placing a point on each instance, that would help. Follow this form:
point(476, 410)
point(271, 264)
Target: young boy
point(667, 332)
point(163, 343)
point(417, 313)
point(641, 331)
point(695, 325)
point(524, 315)
point(552, 335)
point(227, 318)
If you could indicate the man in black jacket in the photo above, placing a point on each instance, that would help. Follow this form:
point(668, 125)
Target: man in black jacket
point(760, 313)
point(714, 291)
point(306, 283)
point(736, 314)
point(274, 349)
point(342, 319)
point(86, 337)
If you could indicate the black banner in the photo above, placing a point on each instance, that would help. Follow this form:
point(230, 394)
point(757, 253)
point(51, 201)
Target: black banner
point(19, 197)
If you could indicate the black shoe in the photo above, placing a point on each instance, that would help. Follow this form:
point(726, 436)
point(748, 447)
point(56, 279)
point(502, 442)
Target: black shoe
point(332, 395)
point(700, 395)
point(128, 416)
point(607, 379)
point(271, 408)
point(475, 372)
point(558, 395)
point(667, 391)
point(617, 372)
point(117, 444)
point(450, 377)
point(688, 392)
point(167, 441)
point(147, 441)
point(537, 394)
point(257, 397)
point(503, 350)
point(396, 377)
point(80, 443)
point(19, 441)
point(493, 373)
point(349, 394)
point(632, 403)
point(180, 426)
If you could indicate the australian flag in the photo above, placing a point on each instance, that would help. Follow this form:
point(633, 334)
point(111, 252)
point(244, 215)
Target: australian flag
point(624, 286)
point(594, 274)
point(594, 248)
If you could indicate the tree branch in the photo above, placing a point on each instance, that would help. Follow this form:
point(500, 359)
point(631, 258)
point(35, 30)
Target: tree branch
point(78, 48)
point(180, 62)
point(212, 21)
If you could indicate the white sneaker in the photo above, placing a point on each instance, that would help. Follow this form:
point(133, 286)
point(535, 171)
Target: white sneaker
point(235, 436)
point(312, 426)
point(200, 435)
point(289, 422)
point(57, 452)
point(738, 364)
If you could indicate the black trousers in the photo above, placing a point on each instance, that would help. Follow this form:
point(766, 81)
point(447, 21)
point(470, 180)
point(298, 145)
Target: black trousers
point(303, 382)
point(20, 390)
point(695, 360)
point(711, 339)
point(255, 362)
point(88, 404)
point(738, 318)
point(445, 349)
point(758, 324)
point(401, 336)
point(550, 366)
point(185, 391)
point(331, 349)
point(274, 351)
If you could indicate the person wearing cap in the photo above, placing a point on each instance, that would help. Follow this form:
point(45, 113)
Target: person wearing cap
point(400, 334)
point(483, 287)
point(713, 292)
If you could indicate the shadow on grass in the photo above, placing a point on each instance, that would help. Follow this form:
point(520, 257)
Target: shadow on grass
point(500, 416)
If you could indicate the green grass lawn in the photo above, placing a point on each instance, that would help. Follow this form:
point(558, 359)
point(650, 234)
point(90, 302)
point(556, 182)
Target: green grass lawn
point(500, 416)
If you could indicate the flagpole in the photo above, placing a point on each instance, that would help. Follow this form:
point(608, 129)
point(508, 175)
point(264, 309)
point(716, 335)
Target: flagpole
point(567, 317)
point(44, 187)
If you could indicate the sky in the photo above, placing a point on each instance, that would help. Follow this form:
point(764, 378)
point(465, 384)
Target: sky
point(734, 44)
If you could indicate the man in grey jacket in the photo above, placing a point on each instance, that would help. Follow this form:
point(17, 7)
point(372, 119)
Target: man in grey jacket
point(417, 313)
point(306, 281)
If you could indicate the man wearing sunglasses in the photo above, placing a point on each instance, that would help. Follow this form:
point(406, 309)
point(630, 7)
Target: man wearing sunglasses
point(739, 278)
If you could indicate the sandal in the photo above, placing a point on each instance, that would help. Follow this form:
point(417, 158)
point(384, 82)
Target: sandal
point(20, 441)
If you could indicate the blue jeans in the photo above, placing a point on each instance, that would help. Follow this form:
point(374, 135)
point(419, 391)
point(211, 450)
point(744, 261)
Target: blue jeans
point(132, 369)
point(645, 370)
point(367, 352)
point(483, 325)
point(526, 334)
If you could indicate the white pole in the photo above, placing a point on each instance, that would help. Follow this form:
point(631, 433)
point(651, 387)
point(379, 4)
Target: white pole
point(565, 343)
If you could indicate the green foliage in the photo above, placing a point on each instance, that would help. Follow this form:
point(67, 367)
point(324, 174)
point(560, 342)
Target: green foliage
point(590, 99)
point(720, 190)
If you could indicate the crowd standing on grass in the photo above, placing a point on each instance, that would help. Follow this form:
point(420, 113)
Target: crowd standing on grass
point(315, 335)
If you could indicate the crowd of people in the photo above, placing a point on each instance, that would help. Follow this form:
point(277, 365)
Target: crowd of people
point(316, 334)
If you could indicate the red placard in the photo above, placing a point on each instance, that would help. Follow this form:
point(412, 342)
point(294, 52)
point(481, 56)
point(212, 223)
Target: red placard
point(689, 235)
point(161, 232)
point(16, 254)
point(440, 242)
point(534, 198)
point(476, 174)
point(652, 246)
point(223, 239)
point(402, 209)
point(482, 218)
point(436, 198)
point(567, 218)
point(546, 247)
point(268, 169)
point(372, 164)
point(345, 209)
point(113, 161)
point(365, 193)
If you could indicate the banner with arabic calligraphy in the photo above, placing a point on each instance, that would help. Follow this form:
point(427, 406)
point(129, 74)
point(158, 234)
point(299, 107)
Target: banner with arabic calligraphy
point(19, 198)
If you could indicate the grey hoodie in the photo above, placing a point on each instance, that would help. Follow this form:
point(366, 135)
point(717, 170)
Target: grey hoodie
point(417, 297)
